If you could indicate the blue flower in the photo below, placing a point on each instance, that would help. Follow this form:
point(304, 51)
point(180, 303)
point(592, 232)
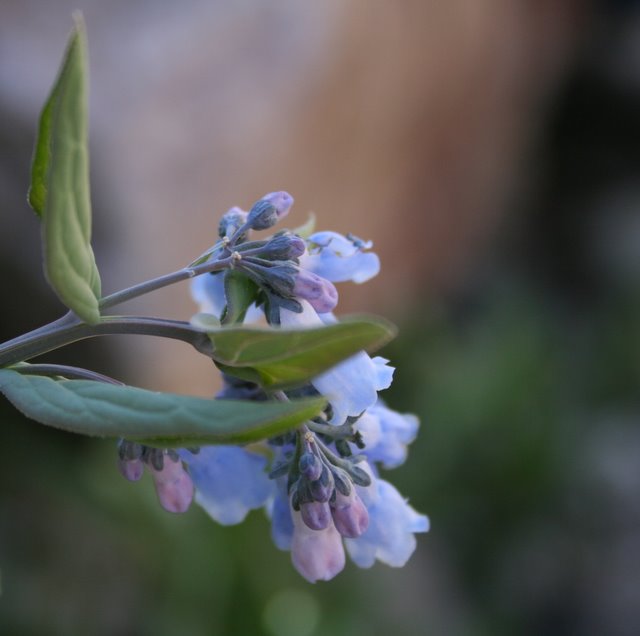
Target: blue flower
point(386, 434)
point(390, 535)
point(338, 259)
point(279, 510)
point(352, 385)
point(208, 292)
point(229, 481)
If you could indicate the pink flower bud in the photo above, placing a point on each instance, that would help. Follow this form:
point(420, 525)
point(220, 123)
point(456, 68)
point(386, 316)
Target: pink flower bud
point(317, 554)
point(173, 486)
point(350, 515)
point(321, 294)
point(316, 515)
point(131, 469)
point(281, 201)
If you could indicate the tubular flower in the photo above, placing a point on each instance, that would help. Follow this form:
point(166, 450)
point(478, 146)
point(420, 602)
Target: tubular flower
point(318, 484)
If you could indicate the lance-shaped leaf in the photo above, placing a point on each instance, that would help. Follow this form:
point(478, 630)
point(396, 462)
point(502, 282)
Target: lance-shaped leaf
point(161, 419)
point(283, 358)
point(59, 191)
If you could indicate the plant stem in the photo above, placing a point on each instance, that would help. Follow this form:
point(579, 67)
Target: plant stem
point(67, 372)
point(38, 342)
point(163, 281)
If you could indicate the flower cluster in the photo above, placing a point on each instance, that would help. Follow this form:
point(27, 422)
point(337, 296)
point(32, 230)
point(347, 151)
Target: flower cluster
point(320, 483)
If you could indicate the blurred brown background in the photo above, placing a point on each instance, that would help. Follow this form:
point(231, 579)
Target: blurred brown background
point(486, 147)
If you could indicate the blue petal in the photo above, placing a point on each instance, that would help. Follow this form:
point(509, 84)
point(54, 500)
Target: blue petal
point(336, 258)
point(281, 520)
point(229, 481)
point(352, 385)
point(390, 535)
point(386, 434)
point(208, 292)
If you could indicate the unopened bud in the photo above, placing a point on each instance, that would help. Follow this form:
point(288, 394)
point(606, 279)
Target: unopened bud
point(266, 212)
point(131, 469)
point(322, 489)
point(173, 486)
point(316, 515)
point(321, 294)
point(231, 221)
point(310, 466)
point(350, 515)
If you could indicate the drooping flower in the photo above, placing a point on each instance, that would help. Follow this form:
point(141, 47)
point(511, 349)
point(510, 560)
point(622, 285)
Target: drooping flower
point(317, 554)
point(230, 481)
point(338, 258)
point(387, 433)
point(390, 535)
point(352, 385)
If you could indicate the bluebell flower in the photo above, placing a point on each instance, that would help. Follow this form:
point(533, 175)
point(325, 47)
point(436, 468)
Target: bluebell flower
point(229, 481)
point(390, 535)
point(279, 510)
point(339, 259)
point(317, 554)
point(386, 434)
point(207, 290)
point(352, 385)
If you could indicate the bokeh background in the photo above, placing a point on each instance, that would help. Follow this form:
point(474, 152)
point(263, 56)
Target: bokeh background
point(490, 150)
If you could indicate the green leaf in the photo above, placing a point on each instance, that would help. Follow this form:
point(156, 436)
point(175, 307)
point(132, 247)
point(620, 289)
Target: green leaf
point(59, 191)
point(161, 419)
point(239, 292)
point(284, 358)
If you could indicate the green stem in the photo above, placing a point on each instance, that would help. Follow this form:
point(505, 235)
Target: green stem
point(66, 371)
point(163, 281)
point(38, 342)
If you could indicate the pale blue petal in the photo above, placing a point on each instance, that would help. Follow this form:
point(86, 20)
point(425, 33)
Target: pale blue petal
point(281, 520)
point(229, 481)
point(390, 535)
point(208, 292)
point(387, 433)
point(336, 258)
point(352, 385)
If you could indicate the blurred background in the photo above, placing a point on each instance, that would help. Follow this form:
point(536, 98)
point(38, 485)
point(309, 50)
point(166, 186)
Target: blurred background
point(489, 148)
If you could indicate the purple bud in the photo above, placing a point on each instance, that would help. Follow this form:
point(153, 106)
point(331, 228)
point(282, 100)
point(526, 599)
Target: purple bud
point(269, 210)
point(322, 488)
point(321, 294)
point(173, 486)
point(316, 554)
point(316, 515)
point(131, 469)
point(231, 221)
point(281, 201)
point(310, 466)
point(350, 515)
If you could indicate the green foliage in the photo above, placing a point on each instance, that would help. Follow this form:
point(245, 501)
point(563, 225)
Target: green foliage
point(164, 419)
point(59, 191)
point(239, 292)
point(282, 358)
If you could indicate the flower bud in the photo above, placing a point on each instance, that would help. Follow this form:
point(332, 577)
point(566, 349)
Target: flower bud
point(316, 554)
point(321, 294)
point(131, 469)
point(173, 486)
point(321, 489)
point(316, 515)
point(266, 212)
point(310, 466)
point(284, 247)
point(231, 221)
point(350, 515)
